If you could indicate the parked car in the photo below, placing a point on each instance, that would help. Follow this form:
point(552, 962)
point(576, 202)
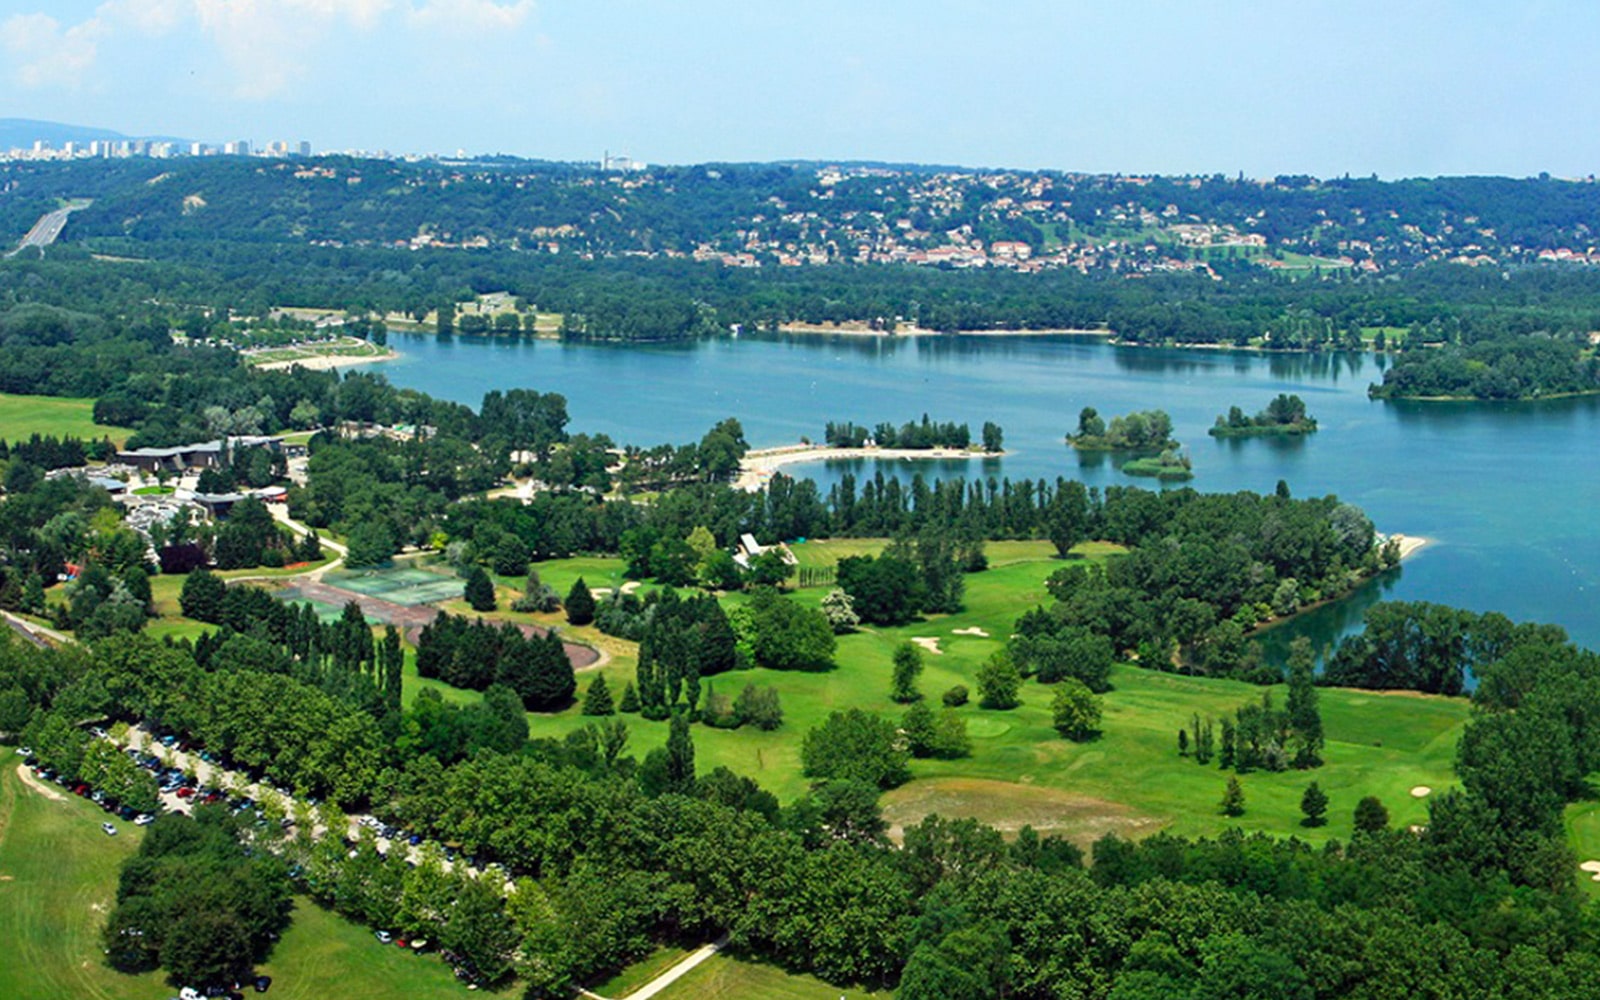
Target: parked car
point(143, 819)
point(110, 830)
point(384, 937)
point(24, 751)
point(263, 983)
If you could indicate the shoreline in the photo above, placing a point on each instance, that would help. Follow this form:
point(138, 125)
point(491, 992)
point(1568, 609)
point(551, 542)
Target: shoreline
point(911, 332)
point(758, 465)
point(1410, 545)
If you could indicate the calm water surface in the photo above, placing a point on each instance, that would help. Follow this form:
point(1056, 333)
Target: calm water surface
point(1506, 492)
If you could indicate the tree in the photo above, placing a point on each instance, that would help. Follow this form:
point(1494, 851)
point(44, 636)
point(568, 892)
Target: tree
point(1314, 804)
point(907, 668)
point(1075, 710)
point(630, 699)
point(1305, 720)
point(597, 699)
point(370, 544)
point(680, 756)
point(202, 596)
point(857, 746)
point(1233, 798)
point(999, 682)
point(955, 697)
point(479, 590)
point(840, 611)
point(1371, 816)
point(759, 707)
point(580, 603)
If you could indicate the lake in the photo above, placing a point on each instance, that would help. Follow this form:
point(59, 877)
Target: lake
point(1504, 491)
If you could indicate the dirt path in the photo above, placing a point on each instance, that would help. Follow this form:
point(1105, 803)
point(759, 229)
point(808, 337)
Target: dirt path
point(34, 783)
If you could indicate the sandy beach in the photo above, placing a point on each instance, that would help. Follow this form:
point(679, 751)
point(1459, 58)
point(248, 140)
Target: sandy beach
point(328, 362)
point(758, 466)
point(1409, 544)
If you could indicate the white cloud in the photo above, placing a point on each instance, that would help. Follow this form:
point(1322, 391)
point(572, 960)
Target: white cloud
point(470, 15)
point(45, 54)
point(268, 46)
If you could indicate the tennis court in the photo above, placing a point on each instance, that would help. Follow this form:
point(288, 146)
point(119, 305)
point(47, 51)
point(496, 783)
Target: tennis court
point(399, 585)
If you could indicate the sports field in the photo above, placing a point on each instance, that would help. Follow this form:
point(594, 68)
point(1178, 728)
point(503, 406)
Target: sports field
point(406, 585)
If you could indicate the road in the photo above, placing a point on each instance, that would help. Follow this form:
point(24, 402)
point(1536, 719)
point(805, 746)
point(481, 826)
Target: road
point(48, 229)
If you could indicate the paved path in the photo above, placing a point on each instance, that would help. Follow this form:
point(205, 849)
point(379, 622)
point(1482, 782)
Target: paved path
point(672, 975)
point(37, 634)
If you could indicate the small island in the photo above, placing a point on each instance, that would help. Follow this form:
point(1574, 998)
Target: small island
point(1147, 431)
point(1285, 416)
point(1170, 465)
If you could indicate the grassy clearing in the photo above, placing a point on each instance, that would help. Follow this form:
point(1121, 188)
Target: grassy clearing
point(23, 416)
point(58, 878)
point(722, 977)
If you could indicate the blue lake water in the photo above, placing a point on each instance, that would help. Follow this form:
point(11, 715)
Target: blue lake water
point(1507, 492)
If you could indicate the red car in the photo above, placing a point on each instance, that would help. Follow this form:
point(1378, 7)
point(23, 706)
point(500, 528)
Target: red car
point(185, 792)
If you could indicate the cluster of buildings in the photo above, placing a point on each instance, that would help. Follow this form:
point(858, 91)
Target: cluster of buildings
point(160, 149)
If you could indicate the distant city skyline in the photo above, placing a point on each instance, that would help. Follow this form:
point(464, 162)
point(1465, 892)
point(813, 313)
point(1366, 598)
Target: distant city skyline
point(1398, 90)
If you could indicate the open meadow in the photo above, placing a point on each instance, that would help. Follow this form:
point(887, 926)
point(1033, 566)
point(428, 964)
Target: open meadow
point(23, 416)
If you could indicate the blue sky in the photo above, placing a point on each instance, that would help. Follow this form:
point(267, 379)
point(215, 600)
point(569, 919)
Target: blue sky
point(1398, 88)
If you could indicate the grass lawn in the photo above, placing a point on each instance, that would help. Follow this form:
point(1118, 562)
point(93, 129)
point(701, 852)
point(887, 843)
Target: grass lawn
point(58, 878)
point(1130, 780)
point(23, 416)
point(641, 972)
point(722, 977)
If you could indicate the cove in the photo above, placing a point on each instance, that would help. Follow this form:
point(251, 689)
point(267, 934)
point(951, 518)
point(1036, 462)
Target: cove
point(1505, 491)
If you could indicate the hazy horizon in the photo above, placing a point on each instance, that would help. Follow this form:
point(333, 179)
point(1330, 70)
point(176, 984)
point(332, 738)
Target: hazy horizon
point(1323, 89)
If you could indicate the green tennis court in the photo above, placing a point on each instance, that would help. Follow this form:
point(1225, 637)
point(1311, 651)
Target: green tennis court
point(400, 585)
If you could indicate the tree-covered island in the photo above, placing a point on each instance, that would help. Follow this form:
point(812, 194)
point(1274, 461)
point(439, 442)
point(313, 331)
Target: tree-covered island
point(1284, 416)
point(1506, 368)
point(1146, 430)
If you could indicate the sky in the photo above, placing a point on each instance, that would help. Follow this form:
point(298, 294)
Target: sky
point(1397, 88)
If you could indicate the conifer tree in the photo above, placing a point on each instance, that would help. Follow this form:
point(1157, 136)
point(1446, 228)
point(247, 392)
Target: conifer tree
point(597, 699)
point(1233, 799)
point(680, 756)
point(630, 699)
point(580, 604)
point(479, 590)
point(1314, 804)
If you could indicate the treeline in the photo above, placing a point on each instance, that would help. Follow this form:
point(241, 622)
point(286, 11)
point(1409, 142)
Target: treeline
point(476, 654)
point(49, 452)
point(1505, 368)
point(910, 435)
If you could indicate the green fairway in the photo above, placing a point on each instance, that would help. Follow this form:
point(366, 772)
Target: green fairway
point(23, 416)
point(58, 878)
point(1131, 780)
point(722, 977)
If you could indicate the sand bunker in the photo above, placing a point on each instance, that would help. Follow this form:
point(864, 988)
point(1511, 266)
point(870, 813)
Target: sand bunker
point(1593, 868)
point(1421, 792)
point(974, 630)
point(929, 643)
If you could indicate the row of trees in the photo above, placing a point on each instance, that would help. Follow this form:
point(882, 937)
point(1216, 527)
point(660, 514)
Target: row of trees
point(912, 435)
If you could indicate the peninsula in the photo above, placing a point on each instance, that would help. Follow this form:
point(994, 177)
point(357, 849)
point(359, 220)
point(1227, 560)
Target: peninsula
point(757, 467)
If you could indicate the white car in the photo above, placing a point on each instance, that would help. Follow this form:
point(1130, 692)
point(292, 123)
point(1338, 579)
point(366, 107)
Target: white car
point(384, 937)
point(110, 830)
point(24, 751)
point(143, 819)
